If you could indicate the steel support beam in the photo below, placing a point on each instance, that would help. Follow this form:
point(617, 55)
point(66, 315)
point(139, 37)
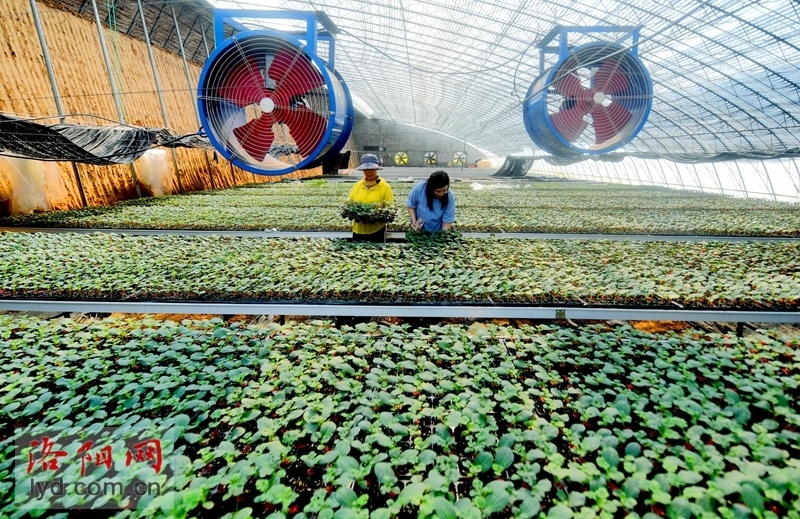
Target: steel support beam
point(421, 310)
point(54, 87)
point(117, 101)
point(191, 86)
point(159, 91)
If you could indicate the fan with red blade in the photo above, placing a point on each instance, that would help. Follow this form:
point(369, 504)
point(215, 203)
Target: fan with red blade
point(270, 106)
point(594, 101)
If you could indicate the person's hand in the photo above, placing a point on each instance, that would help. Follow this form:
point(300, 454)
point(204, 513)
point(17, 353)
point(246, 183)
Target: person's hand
point(417, 225)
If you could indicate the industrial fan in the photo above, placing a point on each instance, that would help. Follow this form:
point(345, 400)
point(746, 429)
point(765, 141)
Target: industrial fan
point(429, 158)
point(401, 158)
point(270, 105)
point(459, 158)
point(594, 100)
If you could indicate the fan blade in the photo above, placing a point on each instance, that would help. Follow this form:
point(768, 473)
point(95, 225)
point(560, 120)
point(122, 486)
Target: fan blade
point(306, 126)
point(569, 86)
point(243, 85)
point(224, 113)
point(256, 137)
point(294, 73)
point(608, 121)
point(569, 122)
point(610, 78)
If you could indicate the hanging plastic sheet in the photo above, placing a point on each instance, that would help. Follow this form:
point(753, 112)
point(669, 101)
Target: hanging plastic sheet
point(518, 166)
point(99, 145)
point(684, 158)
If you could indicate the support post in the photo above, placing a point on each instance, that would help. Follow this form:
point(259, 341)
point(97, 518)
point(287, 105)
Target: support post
point(769, 181)
point(719, 180)
point(797, 185)
point(638, 176)
point(695, 175)
point(159, 92)
point(191, 89)
point(741, 178)
point(205, 41)
point(680, 177)
point(233, 174)
point(54, 87)
point(114, 92)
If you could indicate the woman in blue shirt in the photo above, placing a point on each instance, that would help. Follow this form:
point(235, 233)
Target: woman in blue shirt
point(431, 205)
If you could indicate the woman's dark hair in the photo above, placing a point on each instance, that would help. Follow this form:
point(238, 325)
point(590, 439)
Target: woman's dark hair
point(437, 180)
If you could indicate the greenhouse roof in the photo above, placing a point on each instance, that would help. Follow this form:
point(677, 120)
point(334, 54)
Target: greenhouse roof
point(724, 72)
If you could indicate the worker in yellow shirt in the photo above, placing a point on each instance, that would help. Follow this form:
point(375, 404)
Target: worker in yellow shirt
point(370, 190)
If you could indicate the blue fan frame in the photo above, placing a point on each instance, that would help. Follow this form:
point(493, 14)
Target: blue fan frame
point(535, 114)
point(347, 128)
point(340, 121)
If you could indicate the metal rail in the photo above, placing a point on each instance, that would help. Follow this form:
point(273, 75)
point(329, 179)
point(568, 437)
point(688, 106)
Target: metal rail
point(400, 236)
point(417, 310)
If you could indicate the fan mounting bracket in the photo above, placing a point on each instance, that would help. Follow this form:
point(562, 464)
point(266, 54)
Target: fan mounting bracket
point(563, 33)
point(318, 27)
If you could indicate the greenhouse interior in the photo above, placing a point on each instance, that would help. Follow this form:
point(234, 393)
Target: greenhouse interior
point(370, 259)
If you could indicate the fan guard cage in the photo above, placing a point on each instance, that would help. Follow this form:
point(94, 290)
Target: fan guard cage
point(271, 107)
point(430, 159)
point(594, 100)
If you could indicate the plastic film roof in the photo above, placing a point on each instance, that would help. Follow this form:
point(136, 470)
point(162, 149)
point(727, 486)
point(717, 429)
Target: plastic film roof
point(725, 72)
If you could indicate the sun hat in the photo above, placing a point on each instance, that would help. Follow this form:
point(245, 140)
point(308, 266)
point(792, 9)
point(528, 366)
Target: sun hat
point(369, 161)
